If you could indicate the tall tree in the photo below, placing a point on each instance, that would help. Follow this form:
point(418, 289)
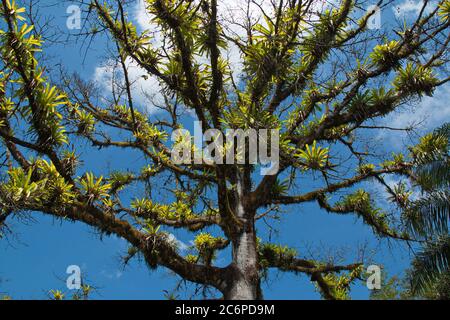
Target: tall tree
point(319, 76)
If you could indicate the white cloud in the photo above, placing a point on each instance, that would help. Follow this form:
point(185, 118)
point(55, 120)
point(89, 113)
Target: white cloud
point(183, 247)
point(432, 110)
point(145, 91)
point(141, 15)
point(382, 195)
point(142, 88)
point(429, 114)
point(232, 14)
point(393, 181)
point(117, 274)
point(412, 8)
point(144, 22)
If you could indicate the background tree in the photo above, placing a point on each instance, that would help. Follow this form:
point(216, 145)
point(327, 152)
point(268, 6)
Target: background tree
point(319, 76)
point(427, 217)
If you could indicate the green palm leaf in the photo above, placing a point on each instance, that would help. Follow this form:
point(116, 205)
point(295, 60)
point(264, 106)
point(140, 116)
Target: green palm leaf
point(430, 264)
point(430, 214)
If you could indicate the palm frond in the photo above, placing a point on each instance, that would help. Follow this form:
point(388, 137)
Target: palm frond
point(444, 130)
point(430, 264)
point(434, 174)
point(429, 215)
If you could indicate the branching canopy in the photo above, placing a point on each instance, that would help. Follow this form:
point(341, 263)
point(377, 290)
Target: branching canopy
point(319, 76)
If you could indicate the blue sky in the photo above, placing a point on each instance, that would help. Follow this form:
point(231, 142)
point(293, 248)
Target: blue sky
point(34, 259)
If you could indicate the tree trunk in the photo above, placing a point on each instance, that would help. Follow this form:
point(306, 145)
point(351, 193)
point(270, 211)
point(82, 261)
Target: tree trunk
point(244, 282)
